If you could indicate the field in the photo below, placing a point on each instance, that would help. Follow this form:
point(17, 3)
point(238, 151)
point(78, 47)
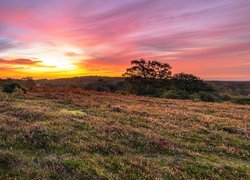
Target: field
point(106, 136)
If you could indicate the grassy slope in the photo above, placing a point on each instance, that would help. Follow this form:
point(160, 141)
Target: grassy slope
point(92, 135)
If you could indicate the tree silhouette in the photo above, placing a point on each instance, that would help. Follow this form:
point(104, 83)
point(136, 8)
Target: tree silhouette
point(147, 77)
point(148, 70)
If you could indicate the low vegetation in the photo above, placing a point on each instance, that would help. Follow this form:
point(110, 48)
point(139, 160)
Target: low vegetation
point(53, 134)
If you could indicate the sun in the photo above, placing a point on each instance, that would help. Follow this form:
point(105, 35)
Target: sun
point(58, 62)
point(57, 57)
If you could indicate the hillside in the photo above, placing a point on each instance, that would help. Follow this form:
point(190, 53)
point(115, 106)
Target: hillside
point(102, 135)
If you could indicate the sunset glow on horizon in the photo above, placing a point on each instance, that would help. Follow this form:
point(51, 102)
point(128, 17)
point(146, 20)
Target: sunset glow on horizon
point(61, 38)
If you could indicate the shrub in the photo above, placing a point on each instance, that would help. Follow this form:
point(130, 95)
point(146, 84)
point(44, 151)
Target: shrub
point(241, 100)
point(12, 87)
point(206, 97)
point(176, 94)
point(225, 97)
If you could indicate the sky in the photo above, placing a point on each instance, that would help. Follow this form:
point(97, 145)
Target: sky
point(62, 38)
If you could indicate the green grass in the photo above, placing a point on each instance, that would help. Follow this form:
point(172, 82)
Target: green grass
point(109, 136)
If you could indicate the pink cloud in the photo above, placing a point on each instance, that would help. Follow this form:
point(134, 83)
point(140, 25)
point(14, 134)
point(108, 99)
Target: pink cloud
point(194, 36)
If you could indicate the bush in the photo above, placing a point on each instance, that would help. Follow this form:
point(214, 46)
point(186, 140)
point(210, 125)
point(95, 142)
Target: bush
point(225, 97)
point(13, 87)
point(241, 100)
point(206, 97)
point(176, 94)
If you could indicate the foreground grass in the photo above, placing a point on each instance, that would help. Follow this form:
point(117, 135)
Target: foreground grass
point(107, 136)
